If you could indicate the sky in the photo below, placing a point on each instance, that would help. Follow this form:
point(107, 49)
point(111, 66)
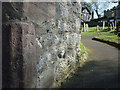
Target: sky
point(110, 6)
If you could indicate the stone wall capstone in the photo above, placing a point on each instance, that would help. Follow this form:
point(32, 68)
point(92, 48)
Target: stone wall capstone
point(41, 43)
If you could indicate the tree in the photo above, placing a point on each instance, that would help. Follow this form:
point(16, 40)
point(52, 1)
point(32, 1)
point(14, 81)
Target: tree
point(99, 7)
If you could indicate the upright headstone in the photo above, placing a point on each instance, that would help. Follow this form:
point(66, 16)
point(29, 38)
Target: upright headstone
point(86, 27)
point(103, 25)
point(98, 28)
point(113, 26)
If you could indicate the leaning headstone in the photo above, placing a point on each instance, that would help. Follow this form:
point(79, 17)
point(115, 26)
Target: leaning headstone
point(98, 27)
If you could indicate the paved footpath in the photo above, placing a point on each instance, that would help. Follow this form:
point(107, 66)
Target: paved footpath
point(101, 71)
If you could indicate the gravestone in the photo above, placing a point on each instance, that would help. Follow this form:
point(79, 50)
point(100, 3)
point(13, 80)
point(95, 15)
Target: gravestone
point(103, 25)
point(87, 27)
point(98, 28)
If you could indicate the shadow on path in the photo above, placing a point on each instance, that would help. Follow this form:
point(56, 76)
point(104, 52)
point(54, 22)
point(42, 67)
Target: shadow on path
point(100, 72)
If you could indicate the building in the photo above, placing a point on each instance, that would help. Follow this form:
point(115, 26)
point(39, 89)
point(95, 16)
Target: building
point(112, 16)
point(86, 16)
point(86, 13)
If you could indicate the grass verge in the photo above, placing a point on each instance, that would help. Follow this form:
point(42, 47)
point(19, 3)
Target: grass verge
point(112, 38)
point(92, 31)
point(82, 48)
point(79, 64)
point(102, 34)
point(82, 62)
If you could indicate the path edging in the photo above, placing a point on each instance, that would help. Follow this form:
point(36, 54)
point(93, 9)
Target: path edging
point(108, 42)
point(80, 64)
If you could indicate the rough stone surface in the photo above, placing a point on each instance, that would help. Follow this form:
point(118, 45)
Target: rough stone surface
point(41, 43)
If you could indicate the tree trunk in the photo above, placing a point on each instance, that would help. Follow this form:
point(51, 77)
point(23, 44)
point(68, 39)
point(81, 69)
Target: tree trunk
point(97, 13)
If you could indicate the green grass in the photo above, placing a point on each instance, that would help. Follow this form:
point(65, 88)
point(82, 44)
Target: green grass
point(92, 31)
point(102, 34)
point(82, 48)
point(112, 37)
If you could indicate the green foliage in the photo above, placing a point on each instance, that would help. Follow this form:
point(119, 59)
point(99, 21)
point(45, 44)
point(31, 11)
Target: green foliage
point(82, 48)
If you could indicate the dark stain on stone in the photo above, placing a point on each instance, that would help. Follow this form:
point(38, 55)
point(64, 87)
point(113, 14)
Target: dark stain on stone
point(48, 31)
point(59, 55)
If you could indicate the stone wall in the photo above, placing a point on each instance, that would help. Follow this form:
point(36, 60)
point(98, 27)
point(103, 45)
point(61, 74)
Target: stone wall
point(41, 43)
